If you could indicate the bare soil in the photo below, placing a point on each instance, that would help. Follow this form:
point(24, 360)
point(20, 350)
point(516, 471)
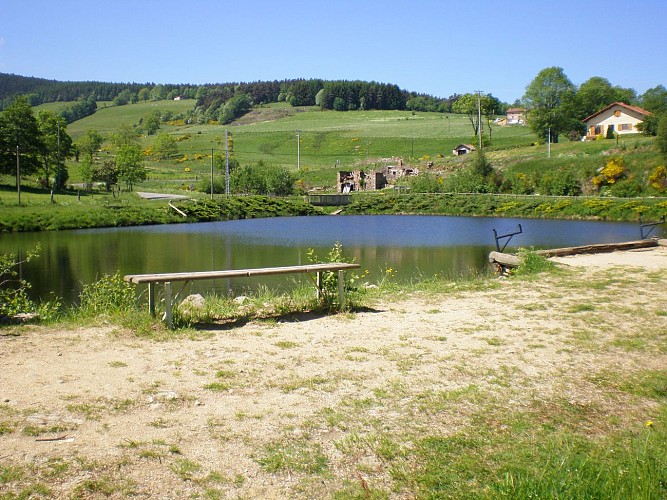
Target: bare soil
point(96, 411)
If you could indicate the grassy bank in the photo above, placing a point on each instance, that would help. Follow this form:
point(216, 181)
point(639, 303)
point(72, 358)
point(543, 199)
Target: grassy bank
point(75, 211)
point(619, 209)
point(72, 210)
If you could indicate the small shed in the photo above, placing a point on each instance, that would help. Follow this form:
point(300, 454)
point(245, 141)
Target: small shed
point(463, 149)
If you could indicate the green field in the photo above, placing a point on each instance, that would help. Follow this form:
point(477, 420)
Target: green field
point(329, 140)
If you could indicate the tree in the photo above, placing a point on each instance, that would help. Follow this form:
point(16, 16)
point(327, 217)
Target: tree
point(165, 146)
point(654, 100)
point(597, 93)
point(550, 101)
point(107, 173)
point(151, 122)
point(661, 135)
point(89, 143)
point(124, 135)
point(144, 94)
point(262, 179)
point(234, 108)
point(468, 104)
point(339, 104)
point(57, 145)
point(130, 165)
point(321, 98)
point(123, 97)
point(19, 127)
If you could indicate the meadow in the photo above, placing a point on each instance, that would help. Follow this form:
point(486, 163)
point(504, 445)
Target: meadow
point(329, 140)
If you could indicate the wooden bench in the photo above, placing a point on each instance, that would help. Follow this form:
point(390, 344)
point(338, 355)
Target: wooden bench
point(169, 278)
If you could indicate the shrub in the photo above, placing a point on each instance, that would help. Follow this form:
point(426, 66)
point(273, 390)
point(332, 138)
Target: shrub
point(13, 291)
point(330, 279)
point(560, 183)
point(465, 180)
point(110, 294)
point(426, 183)
point(532, 263)
point(626, 188)
point(612, 172)
point(658, 179)
point(14, 298)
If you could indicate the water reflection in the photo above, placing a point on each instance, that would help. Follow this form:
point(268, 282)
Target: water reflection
point(414, 246)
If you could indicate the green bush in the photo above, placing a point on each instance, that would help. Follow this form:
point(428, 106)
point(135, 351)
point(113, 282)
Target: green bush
point(14, 300)
point(109, 295)
point(329, 283)
point(560, 183)
point(426, 183)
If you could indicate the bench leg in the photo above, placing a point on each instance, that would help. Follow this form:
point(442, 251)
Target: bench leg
point(318, 285)
point(341, 288)
point(151, 299)
point(168, 305)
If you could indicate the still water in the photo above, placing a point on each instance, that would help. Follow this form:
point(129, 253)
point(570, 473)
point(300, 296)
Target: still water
point(413, 246)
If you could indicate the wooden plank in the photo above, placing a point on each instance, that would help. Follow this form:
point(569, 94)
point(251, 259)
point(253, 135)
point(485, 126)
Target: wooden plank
point(237, 273)
point(601, 248)
point(662, 242)
point(511, 260)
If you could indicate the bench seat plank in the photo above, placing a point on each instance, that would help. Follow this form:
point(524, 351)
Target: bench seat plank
point(237, 273)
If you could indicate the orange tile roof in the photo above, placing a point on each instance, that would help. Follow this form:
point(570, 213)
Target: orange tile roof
point(636, 109)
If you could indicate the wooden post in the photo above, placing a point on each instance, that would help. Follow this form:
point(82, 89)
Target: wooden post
point(341, 288)
point(151, 299)
point(167, 305)
point(318, 284)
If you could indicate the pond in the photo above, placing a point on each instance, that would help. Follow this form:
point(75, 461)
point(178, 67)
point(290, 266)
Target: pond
point(412, 246)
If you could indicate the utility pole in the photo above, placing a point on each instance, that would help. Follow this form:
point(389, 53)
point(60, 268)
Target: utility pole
point(58, 169)
point(18, 175)
point(226, 162)
point(211, 173)
point(479, 117)
point(298, 151)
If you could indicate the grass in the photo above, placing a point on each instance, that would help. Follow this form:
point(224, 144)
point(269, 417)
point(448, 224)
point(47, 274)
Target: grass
point(291, 455)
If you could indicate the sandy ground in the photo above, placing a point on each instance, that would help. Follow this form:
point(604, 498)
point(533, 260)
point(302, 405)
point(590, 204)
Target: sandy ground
point(96, 411)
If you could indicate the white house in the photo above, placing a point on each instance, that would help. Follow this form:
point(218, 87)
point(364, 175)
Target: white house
point(463, 149)
point(619, 117)
point(516, 116)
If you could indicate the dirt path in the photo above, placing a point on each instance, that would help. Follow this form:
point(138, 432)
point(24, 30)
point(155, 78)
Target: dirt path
point(99, 412)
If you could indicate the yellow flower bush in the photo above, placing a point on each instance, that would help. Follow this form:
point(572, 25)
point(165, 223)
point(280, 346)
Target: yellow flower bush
point(658, 179)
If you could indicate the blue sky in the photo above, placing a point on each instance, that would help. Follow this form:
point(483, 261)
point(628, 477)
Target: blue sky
point(430, 46)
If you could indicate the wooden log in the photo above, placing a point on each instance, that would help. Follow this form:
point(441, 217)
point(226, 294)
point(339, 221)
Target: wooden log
point(601, 248)
point(504, 259)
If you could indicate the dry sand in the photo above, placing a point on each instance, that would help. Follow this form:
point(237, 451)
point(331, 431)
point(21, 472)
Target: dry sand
point(96, 411)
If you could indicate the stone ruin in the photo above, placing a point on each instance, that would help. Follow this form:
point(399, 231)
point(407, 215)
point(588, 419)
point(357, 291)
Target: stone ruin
point(358, 180)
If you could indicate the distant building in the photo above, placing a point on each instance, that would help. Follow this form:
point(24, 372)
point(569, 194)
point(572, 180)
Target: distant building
point(618, 116)
point(463, 149)
point(516, 116)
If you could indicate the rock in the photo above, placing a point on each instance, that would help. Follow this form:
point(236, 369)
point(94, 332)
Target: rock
point(194, 301)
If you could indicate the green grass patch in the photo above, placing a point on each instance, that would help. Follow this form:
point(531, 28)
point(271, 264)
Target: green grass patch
point(292, 455)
